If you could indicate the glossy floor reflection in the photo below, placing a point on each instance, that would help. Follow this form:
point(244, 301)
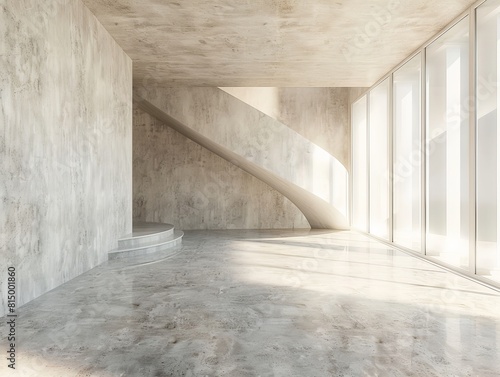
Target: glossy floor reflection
point(264, 303)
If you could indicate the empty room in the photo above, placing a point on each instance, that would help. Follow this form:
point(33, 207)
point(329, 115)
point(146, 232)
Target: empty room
point(281, 188)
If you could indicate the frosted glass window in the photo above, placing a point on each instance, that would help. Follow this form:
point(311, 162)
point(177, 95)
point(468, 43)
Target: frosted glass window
point(447, 144)
point(488, 140)
point(407, 155)
point(359, 166)
point(379, 160)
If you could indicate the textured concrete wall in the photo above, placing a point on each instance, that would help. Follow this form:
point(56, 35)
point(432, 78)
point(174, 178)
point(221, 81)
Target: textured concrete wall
point(65, 144)
point(355, 93)
point(306, 174)
point(265, 99)
point(179, 182)
point(281, 43)
point(318, 114)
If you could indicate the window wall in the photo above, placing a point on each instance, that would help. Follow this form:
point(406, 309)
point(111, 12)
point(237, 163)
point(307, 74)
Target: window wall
point(359, 166)
point(488, 140)
point(407, 182)
point(447, 145)
point(379, 160)
point(444, 196)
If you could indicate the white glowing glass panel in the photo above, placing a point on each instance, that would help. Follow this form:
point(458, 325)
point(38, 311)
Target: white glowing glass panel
point(359, 166)
point(407, 159)
point(447, 146)
point(488, 140)
point(379, 160)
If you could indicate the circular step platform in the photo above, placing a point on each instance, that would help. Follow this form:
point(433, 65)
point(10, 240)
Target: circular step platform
point(147, 238)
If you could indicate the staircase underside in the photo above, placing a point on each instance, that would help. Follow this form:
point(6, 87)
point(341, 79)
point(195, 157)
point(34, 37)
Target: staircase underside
point(320, 213)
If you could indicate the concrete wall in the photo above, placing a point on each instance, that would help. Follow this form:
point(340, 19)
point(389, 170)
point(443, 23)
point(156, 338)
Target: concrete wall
point(318, 114)
point(306, 174)
point(355, 93)
point(179, 182)
point(65, 144)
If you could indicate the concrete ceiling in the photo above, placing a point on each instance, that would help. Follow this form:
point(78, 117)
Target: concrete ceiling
point(271, 42)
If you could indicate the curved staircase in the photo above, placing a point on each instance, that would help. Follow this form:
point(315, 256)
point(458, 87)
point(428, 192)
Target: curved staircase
point(315, 181)
point(147, 238)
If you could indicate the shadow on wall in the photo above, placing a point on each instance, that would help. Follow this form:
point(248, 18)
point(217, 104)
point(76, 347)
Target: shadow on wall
point(178, 181)
point(321, 115)
point(315, 181)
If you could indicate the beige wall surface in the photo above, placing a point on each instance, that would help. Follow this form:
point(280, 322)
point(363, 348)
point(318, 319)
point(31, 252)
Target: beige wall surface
point(355, 93)
point(280, 43)
point(318, 114)
point(65, 144)
point(179, 182)
point(314, 180)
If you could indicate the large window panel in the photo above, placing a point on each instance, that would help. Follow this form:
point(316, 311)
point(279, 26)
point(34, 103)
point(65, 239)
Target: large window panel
point(447, 144)
point(488, 140)
point(379, 160)
point(407, 155)
point(359, 166)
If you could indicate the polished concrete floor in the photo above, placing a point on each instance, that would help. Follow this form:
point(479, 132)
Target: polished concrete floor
point(263, 303)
